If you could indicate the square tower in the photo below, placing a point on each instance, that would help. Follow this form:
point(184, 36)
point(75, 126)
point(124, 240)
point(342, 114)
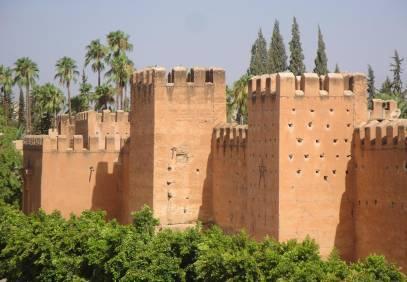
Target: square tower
point(172, 117)
point(299, 150)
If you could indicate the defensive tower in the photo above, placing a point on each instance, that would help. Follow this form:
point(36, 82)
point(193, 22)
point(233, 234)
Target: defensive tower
point(172, 117)
point(299, 147)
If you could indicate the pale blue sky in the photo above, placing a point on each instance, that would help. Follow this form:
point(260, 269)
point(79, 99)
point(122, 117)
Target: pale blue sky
point(207, 33)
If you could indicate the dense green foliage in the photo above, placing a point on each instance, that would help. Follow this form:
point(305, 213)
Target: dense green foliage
point(296, 66)
point(10, 164)
point(258, 58)
point(48, 101)
point(42, 247)
point(277, 58)
point(237, 100)
point(321, 60)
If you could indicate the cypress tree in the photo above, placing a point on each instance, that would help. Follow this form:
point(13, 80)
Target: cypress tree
point(370, 82)
point(397, 85)
point(337, 70)
point(21, 109)
point(258, 60)
point(296, 56)
point(277, 56)
point(321, 60)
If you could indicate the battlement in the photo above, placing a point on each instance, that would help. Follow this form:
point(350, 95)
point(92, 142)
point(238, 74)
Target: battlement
point(104, 116)
point(308, 84)
point(179, 76)
point(62, 143)
point(230, 135)
point(382, 109)
point(384, 134)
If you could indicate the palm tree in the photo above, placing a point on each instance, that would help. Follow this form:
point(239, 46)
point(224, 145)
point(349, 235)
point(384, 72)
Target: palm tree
point(6, 82)
point(67, 72)
point(96, 53)
point(26, 73)
point(120, 72)
point(239, 94)
point(49, 99)
point(103, 96)
point(118, 43)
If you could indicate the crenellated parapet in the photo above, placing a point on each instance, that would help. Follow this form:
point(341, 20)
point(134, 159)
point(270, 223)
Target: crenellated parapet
point(74, 144)
point(230, 135)
point(179, 76)
point(387, 134)
point(382, 109)
point(308, 84)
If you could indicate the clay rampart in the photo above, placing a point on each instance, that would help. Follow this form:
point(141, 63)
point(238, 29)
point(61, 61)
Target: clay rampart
point(229, 176)
point(61, 173)
point(381, 196)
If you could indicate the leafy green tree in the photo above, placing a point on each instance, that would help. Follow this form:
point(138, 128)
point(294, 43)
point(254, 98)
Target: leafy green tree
point(144, 221)
point(375, 268)
point(397, 70)
point(103, 96)
point(10, 165)
point(26, 74)
point(66, 73)
point(81, 102)
point(337, 70)
point(277, 58)
point(46, 247)
point(296, 55)
point(239, 98)
point(49, 101)
point(371, 89)
point(321, 60)
point(258, 59)
point(96, 54)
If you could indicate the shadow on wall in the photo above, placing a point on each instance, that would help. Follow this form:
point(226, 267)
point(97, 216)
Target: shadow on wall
point(106, 190)
point(345, 231)
point(205, 214)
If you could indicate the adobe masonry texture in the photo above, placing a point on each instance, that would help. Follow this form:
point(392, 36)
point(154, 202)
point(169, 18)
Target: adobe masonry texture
point(311, 161)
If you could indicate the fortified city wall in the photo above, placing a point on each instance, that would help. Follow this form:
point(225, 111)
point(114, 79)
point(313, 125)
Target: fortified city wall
point(312, 161)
